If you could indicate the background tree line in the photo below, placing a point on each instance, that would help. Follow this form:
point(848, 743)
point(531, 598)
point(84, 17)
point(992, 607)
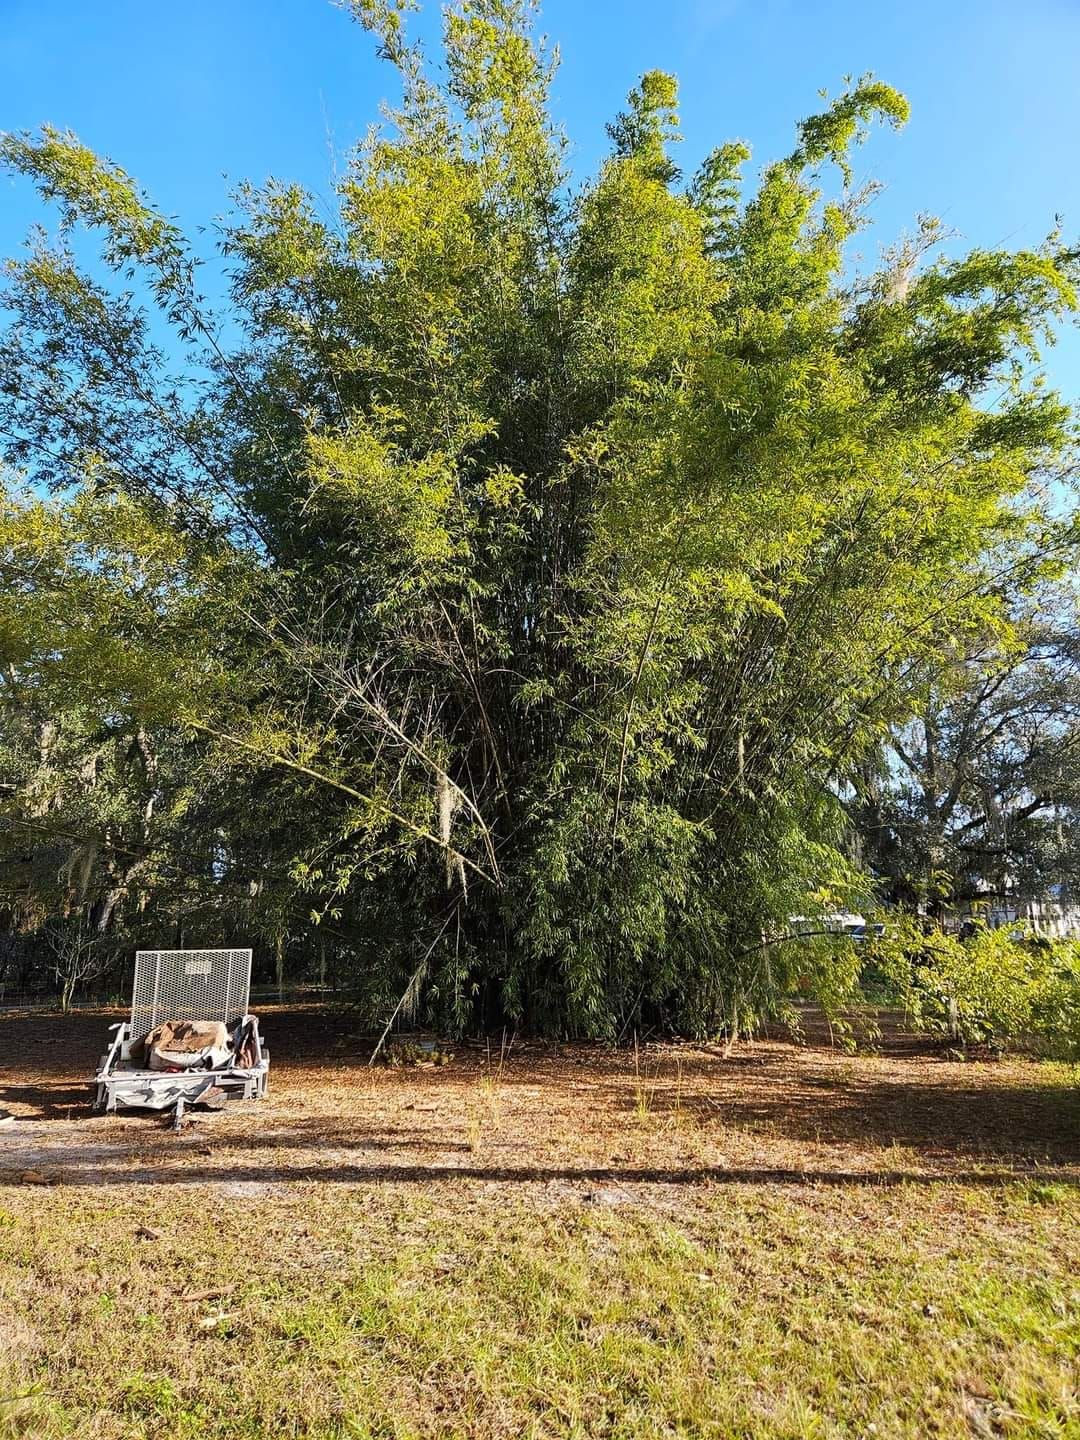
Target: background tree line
point(532, 591)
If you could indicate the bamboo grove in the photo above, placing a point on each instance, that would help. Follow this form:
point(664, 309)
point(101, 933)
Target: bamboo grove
point(501, 591)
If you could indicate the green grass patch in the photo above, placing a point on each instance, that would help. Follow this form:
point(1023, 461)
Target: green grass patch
point(748, 1311)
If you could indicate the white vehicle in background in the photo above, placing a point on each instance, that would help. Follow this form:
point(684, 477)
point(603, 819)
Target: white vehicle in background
point(856, 927)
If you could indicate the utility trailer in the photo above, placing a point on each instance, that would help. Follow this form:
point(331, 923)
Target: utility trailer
point(173, 988)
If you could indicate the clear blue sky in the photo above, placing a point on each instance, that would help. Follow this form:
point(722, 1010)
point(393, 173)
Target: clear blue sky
point(192, 97)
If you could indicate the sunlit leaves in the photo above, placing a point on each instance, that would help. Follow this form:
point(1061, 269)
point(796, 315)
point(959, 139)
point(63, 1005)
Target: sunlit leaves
point(584, 540)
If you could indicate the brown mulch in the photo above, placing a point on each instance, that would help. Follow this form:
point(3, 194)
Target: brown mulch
point(655, 1120)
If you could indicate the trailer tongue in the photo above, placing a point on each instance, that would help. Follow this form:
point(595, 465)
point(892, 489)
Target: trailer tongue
point(190, 1039)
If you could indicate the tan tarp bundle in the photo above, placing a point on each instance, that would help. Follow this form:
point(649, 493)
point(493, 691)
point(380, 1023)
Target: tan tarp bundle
point(187, 1045)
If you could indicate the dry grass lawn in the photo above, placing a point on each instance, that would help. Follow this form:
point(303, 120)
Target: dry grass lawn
point(787, 1242)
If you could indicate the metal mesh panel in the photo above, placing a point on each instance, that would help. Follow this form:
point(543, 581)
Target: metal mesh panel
point(189, 985)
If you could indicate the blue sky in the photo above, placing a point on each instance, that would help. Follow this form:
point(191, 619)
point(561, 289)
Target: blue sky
point(191, 98)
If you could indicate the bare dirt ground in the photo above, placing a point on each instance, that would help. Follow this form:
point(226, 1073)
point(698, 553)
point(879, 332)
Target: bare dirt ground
point(549, 1119)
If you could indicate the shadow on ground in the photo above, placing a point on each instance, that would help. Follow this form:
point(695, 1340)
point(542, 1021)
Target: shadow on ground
point(561, 1114)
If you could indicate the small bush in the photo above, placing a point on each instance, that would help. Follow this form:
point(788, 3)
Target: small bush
point(400, 1055)
point(992, 987)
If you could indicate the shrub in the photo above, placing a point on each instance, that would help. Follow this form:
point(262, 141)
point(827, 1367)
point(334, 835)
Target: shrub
point(992, 987)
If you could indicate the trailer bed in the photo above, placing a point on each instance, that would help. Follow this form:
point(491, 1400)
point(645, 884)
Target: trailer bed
point(184, 985)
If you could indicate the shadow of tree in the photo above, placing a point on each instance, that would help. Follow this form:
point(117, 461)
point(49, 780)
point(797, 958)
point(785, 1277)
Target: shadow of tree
point(937, 1116)
point(52, 1100)
point(91, 1175)
point(950, 1114)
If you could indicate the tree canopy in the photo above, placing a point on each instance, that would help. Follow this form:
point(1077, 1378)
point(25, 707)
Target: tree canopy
point(975, 799)
point(509, 589)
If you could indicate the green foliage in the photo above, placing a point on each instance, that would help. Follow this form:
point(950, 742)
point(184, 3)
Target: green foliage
point(404, 1053)
point(516, 602)
point(973, 802)
point(994, 986)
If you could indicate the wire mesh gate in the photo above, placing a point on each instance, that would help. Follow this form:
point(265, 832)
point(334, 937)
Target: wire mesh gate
point(189, 985)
